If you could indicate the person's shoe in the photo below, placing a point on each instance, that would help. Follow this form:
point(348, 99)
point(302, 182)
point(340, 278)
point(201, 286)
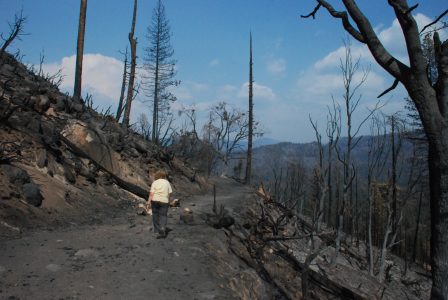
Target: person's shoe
point(161, 234)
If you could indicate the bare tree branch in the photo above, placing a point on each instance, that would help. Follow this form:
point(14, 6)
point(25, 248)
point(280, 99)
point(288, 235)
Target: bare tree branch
point(339, 15)
point(313, 13)
point(435, 21)
point(411, 8)
point(392, 87)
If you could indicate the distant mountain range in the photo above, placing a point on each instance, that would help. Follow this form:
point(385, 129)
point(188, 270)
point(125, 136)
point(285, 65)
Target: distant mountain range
point(269, 156)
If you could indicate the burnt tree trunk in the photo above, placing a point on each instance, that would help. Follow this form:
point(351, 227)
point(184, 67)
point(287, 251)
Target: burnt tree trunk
point(80, 50)
point(133, 43)
point(251, 119)
point(123, 87)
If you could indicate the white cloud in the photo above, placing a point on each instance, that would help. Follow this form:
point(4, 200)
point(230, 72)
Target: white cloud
point(228, 88)
point(393, 39)
point(260, 92)
point(101, 75)
point(276, 66)
point(332, 60)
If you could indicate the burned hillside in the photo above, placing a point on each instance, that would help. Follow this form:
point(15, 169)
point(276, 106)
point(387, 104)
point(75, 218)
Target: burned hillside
point(61, 161)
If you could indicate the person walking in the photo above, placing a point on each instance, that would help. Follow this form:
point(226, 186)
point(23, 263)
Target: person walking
point(159, 200)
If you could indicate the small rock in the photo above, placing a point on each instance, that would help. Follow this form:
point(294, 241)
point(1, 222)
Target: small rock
point(50, 112)
point(59, 104)
point(77, 107)
point(69, 174)
point(141, 146)
point(87, 253)
point(175, 203)
point(41, 158)
point(53, 267)
point(186, 216)
point(42, 103)
point(32, 194)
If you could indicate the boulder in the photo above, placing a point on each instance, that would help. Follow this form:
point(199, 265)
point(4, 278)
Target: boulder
point(77, 107)
point(34, 125)
point(59, 104)
point(32, 194)
point(141, 146)
point(15, 175)
point(17, 121)
point(93, 144)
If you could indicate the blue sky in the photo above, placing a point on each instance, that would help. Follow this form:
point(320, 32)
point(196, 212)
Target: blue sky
point(295, 60)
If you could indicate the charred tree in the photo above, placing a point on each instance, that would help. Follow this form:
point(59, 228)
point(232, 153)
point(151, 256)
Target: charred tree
point(251, 119)
point(123, 87)
point(80, 50)
point(16, 31)
point(133, 43)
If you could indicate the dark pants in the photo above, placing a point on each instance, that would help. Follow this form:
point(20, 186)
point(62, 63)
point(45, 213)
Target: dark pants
point(159, 216)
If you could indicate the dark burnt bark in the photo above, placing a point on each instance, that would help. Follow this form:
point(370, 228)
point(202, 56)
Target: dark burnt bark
point(438, 182)
point(133, 43)
point(123, 87)
point(251, 119)
point(80, 50)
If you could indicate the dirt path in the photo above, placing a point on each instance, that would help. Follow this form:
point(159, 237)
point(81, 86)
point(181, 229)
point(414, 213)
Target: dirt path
point(125, 260)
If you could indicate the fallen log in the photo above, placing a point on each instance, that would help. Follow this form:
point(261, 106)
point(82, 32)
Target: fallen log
point(130, 187)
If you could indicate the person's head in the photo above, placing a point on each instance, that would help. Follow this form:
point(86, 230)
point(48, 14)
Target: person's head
point(160, 174)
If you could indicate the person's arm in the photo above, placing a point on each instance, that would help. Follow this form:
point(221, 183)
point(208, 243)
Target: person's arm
point(148, 203)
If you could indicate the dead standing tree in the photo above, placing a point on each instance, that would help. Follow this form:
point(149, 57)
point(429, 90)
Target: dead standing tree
point(80, 50)
point(121, 105)
point(332, 131)
point(133, 43)
point(320, 173)
point(351, 99)
point(377, 158)
point(228, 128)
point(251, 119)
point(431, 101)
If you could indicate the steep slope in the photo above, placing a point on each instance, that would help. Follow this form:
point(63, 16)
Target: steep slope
point(63, 162)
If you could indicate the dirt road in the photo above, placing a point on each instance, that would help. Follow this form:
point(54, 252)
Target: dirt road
point(124, 260)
